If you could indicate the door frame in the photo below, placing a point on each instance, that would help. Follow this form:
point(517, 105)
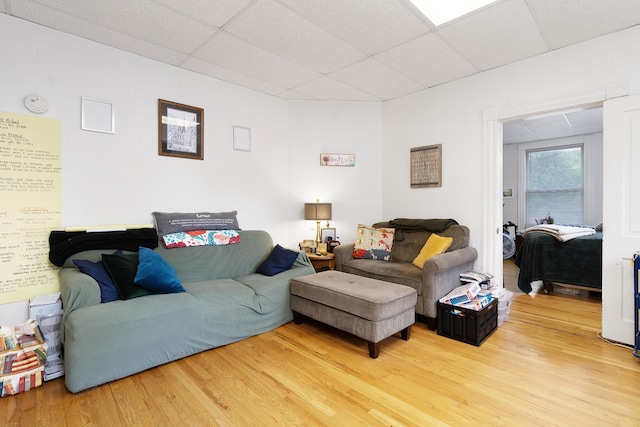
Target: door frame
point(493, 163)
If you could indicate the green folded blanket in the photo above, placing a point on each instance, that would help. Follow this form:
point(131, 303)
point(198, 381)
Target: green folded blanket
point(435, 225)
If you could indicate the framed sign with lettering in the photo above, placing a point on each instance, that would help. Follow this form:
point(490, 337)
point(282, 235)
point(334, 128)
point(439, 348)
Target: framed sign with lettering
point(426, 166)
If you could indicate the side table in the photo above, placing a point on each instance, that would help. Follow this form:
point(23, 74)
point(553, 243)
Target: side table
point(322, 262)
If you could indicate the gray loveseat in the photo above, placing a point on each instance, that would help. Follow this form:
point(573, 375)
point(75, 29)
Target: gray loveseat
point(225, 301)
point(439, 275)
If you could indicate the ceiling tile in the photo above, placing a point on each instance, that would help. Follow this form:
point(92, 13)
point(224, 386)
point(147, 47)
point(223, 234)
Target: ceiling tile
point(427, 60)
point(142, 19)
point(333, 90)
point(217, 12)
point(548, 127)
point(230, 76)
point(553, 126)
point(516, 132)
point(495, 36)
point(586, 121)
point(292, 95)
point(277, 29)
point(571, 21)
point(235, 54)
point(371, 26)
point(63, 22)
point(377, 79)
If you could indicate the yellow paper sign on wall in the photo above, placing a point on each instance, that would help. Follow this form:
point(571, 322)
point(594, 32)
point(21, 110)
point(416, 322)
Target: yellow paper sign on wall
point(31, 194)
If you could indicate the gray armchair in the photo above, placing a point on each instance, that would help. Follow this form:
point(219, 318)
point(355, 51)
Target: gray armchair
point(439, 275)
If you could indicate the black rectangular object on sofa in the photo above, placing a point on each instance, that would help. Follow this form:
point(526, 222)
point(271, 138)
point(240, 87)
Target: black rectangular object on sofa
point(467, 325)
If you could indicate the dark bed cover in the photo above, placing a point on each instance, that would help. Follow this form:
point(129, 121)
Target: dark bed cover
point(576, 262)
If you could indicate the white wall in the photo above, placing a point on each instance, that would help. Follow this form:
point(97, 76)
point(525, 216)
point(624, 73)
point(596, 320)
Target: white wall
point(114, 179)
point(452, 115)
point(120, 179)
point(355, 192)
point(510, 180)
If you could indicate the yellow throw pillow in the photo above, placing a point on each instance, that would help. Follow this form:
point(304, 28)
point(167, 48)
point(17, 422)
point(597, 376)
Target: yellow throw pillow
point(435, 245)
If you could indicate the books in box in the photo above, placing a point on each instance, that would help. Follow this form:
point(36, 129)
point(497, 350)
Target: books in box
point(23, 353)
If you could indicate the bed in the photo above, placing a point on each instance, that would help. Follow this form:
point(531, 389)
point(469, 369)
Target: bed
point(577, 261)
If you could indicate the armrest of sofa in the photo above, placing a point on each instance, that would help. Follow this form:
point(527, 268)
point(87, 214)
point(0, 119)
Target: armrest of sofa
point(342, 254)
point(442, 273)
point(77, 289)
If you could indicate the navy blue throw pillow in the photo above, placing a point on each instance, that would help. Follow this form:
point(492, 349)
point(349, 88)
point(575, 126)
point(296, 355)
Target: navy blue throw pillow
point(108, 291)
point(279, 260)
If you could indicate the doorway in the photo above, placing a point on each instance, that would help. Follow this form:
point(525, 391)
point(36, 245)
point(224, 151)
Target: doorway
point(620, 120)
point(493, 120)
point(552, 135)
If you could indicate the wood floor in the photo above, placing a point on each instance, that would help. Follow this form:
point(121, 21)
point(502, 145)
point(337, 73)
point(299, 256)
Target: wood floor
point(545, 366)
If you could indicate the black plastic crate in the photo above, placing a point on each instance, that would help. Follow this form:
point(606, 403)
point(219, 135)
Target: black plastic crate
point(466, 325)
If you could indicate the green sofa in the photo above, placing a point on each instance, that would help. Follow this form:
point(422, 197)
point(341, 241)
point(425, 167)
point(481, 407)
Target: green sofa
point(225, 301)
point(439, 275)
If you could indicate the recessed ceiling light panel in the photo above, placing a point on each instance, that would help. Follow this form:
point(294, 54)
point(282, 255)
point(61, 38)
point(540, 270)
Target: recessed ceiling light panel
point(439, 11)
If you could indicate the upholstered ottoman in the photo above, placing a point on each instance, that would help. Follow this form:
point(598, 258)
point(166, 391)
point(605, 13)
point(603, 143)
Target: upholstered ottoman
point(368, 308)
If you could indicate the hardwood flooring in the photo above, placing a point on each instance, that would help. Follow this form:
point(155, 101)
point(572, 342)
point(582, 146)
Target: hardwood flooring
point(545, 366)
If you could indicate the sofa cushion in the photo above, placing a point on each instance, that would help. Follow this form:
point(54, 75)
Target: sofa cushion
point(122, 269)
point(279, 260)
point(155, 274)
point(402, 273)
point(108, 291)
point(373, 243)
point(435, 245)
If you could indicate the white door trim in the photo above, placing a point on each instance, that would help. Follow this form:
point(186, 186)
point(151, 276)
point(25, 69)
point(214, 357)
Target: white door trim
point(492, 158)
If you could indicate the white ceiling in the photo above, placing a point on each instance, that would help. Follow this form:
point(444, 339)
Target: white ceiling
point(357, 50)
point(556, 125)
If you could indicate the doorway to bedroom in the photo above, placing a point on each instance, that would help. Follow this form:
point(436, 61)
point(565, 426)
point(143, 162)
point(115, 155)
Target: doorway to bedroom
point(552, 171)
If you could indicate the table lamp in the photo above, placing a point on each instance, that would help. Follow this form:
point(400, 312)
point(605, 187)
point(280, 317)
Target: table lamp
point(317, 212)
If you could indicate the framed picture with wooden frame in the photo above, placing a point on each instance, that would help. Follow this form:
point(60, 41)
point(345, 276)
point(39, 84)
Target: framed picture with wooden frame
point(426, 166)
point(180, 130)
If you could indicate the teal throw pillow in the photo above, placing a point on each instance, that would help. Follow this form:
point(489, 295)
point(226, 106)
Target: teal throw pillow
point(156, 274)
point(122, 269)
point(279, 260)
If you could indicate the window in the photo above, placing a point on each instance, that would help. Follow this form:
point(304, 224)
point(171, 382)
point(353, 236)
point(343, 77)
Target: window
point(555, 184)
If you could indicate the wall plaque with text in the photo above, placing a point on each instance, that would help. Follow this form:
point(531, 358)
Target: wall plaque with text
point(426, 166)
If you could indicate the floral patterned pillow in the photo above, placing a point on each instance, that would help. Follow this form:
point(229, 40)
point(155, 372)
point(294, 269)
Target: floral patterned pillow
point(373, 243)
point(183, 239)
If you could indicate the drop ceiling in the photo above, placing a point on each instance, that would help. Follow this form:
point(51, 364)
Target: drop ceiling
point(354, 50)
point(551, 126)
